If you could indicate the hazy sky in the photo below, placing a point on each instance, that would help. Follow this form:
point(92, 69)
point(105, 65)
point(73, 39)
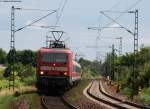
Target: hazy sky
point(77, 16)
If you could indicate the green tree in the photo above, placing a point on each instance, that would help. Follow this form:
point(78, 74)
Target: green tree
point(2, 56)
point(90, 68)
point(34, 62)
point(25, 57)
point(12, 56)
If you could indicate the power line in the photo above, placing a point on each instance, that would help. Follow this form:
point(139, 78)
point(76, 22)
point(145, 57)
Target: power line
point(109, 11)
point(131, 7)
point(58, 16)
point(99, 28)
point(10, 1)
point(115, 5)
point(34, 9)
point(61, 12)
point(36, 21)
point(121, 26)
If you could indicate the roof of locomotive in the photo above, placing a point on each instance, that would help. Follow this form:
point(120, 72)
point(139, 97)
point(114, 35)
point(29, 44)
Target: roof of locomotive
point(60, 50)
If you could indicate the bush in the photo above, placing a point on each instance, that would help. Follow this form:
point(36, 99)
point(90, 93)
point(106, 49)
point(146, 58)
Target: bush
point(1, 74)
point(29, 80)
point(16, 94)
point(2, 56)
point(126, 91)
point(7, 72)
point(145, 96)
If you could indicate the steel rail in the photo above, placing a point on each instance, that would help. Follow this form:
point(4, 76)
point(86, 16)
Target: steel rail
point(103, 100)
point(67, 103)
point(44, 103)
point(117, 99)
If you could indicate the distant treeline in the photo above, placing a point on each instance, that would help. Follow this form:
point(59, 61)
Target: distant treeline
point(25, 57)
point(90, 69)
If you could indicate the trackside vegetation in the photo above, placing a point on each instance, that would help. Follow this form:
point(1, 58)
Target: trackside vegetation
point(24, 101)
point(90, 69)
point(123, 73)
point(22, 63)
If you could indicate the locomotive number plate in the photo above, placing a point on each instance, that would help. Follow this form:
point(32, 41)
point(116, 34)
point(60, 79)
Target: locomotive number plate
point(54, 68)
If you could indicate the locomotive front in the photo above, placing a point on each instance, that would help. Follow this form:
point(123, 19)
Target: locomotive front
point(54, 67)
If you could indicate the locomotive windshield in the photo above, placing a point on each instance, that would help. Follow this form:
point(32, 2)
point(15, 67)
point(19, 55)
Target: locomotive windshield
point(54, 57)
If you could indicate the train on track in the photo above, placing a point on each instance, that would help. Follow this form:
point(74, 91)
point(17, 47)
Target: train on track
point(56, 68)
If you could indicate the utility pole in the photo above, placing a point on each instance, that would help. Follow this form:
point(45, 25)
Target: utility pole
point(107, 66)
point(136, 32)
point(120, 46)
point(97, 54)
point(135, 72)
point(12, 47)
point(113, 62)
point(120, 53)
point(12, 41)
point(97, 38)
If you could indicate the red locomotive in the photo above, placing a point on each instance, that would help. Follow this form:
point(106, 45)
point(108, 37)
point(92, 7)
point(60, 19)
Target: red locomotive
point(56, 68)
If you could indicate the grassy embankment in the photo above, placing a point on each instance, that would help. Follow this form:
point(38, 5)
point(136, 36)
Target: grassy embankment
point(25, 90)
point(76, 93)
point(144, 96)
point(3, 81)
point(19, 81)
point(13, 102)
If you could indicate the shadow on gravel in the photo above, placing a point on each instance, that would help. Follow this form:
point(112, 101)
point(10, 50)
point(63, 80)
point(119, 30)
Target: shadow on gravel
point(51, 92)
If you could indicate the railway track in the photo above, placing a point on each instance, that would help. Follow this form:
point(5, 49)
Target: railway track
point(96, 92)
point(119, 100)
point(56, 102)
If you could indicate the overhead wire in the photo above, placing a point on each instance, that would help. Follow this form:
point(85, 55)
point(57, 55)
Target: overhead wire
point(117, 23)
point(122, 13)
point(34, 9)
point(57, 14)
point(10, 1)
point(61, 12)
point(131, 7)
point(115, 5)
point(99, 30)
point(35, 21)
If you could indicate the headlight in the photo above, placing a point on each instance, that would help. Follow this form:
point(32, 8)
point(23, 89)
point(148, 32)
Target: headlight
point(41, 73)
point(65, 73)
